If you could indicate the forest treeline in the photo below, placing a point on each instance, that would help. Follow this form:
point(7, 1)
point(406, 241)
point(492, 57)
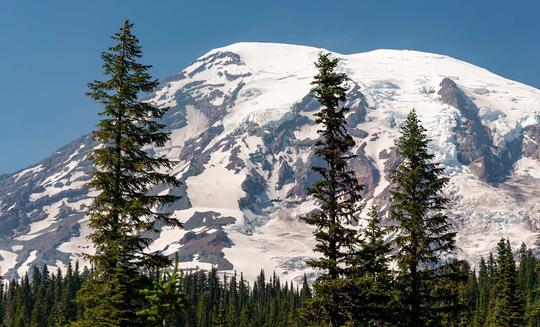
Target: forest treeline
point(497, 289)
point(400, 269)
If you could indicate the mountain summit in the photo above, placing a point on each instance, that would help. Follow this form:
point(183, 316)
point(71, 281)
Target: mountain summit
point(243, 133)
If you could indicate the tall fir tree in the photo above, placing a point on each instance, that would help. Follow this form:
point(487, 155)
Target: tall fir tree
point(484, 293)
point(373, 301)
point(2, 294)
point(527, 278)
point(452, 293)
point(23, 302)
point(423, 231)
point(534, 310)
point(166, 299)
point(123, 209)
point(305, 293)
point(471, 294)
point(371, 255)
point(269, 303)
point(508, 304)
point(338, 193)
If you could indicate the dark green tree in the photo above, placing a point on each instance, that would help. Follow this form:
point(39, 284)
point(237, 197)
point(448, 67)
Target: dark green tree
point(508, 304)
point(202, 318)
point(42, 297)
point(371, 256)
point(166, 300)
point(24, 302)
point(233, 300)
point(471, 295)
point(534, 310)
point(305, 293)
point(123, 209)
point(220, 315)
point(527, 279)
point(2, 301)
point(484, 296)
point(373, 301)
point(423, 232)
point(338, 193)
point(453, 292)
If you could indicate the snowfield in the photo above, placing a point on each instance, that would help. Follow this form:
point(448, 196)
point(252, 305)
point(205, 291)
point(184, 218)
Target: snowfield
point(242, 131)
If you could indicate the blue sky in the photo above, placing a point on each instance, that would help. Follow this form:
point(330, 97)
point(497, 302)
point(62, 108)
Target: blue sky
point(49, 50)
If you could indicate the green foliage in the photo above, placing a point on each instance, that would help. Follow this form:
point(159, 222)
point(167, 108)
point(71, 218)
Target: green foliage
point(424, 232)
point(453, 292)
point(124, 209)
point(508, 304)
point(371, 258)
point(485, 283)
point(338, 190)
point(373, 299)
point(196, 298)
point(338, 193)
point(165, 299)
point(2, 313)
point(42, 300)
point(127, 287)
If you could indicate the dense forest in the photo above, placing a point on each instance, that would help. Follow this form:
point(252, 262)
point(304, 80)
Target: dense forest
point(498, 293)
point(365, 277)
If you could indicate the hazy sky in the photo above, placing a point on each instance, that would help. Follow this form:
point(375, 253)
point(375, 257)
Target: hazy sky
point(49, 50)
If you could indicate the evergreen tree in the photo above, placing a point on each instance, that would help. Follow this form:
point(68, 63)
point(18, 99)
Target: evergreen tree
point(23, 302)
point(220, 315)
point(472, 294)
point(534, 310)
point(233, 299)
point(202, 311)
point(9, 304)
point(424, 232)
point(40, 290)
point(372, 295)
point(166, 298)
point(508, 305)
point(454, 292)
point(246, 317)
point(484, 287)
point(527, 280)
point(71, 285)
point(2, 301)
point(371, 256)
point(338, 193)
point(305, 293)
point(124, 209)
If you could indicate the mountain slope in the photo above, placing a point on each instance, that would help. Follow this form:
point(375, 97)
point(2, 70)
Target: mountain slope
point(243, 131)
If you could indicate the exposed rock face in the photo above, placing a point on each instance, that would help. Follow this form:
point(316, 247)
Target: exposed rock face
point(367, 173)
point(357, 105)
point(475, 147)
point(285, 174)
point(531, 142)
point(33, 195)
point(243, 132)
point(391, 158)
point(304, 175)
point(206, 245)
point(255, 200)
point(473, 140)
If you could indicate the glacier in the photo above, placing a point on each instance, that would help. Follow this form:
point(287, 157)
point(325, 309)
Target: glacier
point(243, 131)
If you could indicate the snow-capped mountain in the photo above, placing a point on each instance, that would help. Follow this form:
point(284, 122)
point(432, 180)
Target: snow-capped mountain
point(243, 132)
